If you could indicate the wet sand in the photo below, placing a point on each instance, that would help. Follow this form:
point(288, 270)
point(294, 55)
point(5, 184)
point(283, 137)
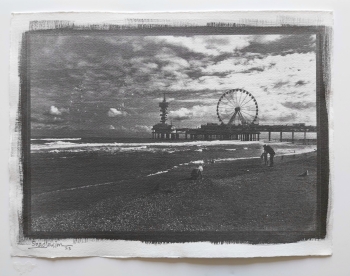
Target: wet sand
point(242, 195)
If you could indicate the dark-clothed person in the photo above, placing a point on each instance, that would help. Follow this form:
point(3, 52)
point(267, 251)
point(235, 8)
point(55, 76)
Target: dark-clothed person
point(271, 152)
point(264, 157)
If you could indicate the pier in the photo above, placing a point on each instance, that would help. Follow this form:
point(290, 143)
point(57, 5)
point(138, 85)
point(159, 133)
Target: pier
point(223, 132)
point(236, 126)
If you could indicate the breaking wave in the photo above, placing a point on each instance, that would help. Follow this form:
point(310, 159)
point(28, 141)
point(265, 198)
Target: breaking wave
point(67, 145)
point(55, 139)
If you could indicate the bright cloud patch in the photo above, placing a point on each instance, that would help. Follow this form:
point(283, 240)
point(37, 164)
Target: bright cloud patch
point(113, 112)
point(195, 112)
point(57, 111)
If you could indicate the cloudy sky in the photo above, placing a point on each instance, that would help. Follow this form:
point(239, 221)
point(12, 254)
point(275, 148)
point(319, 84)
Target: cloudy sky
point(114, 83)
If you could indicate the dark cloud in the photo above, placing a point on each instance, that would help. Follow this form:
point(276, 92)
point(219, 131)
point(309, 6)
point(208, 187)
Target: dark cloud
point(223, 57)
point(252, 70)
point(280, 84)
point(112, 71)
point(287, 117)
point(299, 105)
point(288, 44)
point(300, 83)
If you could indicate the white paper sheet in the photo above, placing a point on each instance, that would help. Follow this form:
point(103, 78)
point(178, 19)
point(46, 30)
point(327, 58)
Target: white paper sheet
point(100, 22)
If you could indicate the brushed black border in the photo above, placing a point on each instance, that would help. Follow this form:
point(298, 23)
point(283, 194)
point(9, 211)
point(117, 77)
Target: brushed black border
point(323, 75)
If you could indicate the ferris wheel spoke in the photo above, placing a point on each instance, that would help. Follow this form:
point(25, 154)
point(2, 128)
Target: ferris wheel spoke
point(242, 118)
point(252, 109)
point(226, 114)
point(246, 95)
point(234, 108)
point(240, 97)
point(225, 110)
point(232, 94)
point(248, 114)
point(247, 119)
point(247, 102)
point(229, 100)
point(232, 118)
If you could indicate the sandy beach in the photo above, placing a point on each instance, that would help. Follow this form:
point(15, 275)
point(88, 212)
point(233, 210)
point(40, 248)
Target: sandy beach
point(241, 195)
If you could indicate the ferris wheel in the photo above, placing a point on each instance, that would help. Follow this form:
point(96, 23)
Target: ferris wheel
point(237, 107)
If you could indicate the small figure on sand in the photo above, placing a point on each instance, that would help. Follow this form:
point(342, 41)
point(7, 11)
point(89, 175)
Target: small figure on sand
point(271, 152)
point(264, 157)
point(197, 173)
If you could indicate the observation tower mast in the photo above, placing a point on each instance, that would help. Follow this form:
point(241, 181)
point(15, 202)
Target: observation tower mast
point(163, 109)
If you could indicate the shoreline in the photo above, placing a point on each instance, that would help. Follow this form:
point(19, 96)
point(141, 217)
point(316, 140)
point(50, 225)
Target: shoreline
point(242, 195)
point(73, 143)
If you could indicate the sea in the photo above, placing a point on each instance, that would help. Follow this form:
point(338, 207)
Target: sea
point(72, 163)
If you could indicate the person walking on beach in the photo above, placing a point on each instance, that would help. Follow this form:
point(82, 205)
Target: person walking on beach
point(271, 152)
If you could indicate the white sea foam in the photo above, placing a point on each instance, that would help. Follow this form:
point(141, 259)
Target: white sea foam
point(55, 139)
point(285, 152)
point(133, 148)
point(233, 159)
point(197, 162)
point(160, 172)
point(61, 144)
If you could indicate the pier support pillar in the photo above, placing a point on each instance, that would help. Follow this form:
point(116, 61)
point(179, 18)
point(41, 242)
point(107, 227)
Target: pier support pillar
point(269, 135)
point(293, 137)
point(281, 136)
point(304, 137)
point(258, 136)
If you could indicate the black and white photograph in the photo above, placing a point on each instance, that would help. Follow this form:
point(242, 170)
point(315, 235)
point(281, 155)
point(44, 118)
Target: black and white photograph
point(174, 134)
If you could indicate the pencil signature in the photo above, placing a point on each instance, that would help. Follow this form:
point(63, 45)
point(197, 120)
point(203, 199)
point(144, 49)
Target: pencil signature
point(50, 244)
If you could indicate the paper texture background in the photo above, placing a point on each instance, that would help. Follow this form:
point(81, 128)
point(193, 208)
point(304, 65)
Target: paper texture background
point(126, 249)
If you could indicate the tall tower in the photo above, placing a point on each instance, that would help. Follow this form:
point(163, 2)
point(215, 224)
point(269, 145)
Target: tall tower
point(163, 109)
